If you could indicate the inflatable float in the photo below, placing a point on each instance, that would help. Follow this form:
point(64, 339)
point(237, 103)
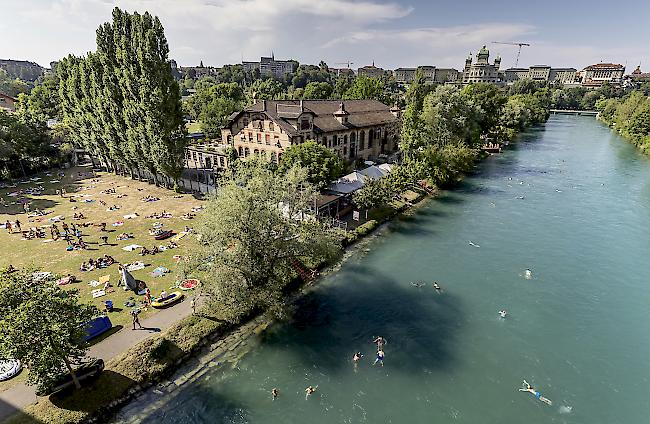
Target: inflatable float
point(9, 368)
point(190, 284)
point(168, 300)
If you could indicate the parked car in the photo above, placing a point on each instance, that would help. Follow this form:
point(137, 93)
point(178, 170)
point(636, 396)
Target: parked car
point(85, 372)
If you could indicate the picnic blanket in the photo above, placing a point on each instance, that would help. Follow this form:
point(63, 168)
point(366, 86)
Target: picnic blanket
point(118, 224)
point(158, 272)
point(104, 279)
point(93, 283)
point(131, 216)
point(131, 247)
point(63, 281)
point(98, 293)
point(135, 266)
point(56, 218)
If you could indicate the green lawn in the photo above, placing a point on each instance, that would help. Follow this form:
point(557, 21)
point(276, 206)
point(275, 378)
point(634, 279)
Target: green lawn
point(193, 127)
point(52, 256)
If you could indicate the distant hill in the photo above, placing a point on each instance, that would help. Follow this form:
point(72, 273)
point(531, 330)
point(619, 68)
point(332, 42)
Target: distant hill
point(26, 71)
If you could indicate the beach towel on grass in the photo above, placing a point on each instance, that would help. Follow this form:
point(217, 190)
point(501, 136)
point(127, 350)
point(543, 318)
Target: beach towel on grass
point(158, 272)
point(131, 247)
point(98, 293)
point(135, 266)
point(131, 216)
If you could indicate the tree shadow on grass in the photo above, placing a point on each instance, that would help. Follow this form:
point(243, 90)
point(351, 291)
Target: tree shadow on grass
point(12, 414)
point(330, 324)
point(94, 394)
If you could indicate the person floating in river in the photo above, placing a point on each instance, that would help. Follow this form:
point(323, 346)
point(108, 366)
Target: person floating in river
point(275, 392)
point(380, 342)
point(528, 388)
point(503, 313)
point(379, 358)
point(357, 356)
point(418, 284)
point(436, 286)
point(310, 391)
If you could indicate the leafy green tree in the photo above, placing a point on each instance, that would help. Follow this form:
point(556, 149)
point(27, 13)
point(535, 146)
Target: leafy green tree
point(374, 193)
point(213, 103)
point(12, 86)
point(24, 146)
point(450, 117)
point(489, 101)
point(322, 165)
point(42, 325)
point(41, 104)
point(253, 232)
point(366, 88)
point(268, 89)
point(318, 90)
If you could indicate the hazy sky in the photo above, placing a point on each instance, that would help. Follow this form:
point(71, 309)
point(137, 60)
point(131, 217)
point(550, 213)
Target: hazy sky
point(566, 33)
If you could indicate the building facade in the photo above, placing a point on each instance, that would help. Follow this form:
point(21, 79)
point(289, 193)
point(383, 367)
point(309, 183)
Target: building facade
point(430, 74)
point(482, 70)
point(268, 66)
point(206, 156)
point(371, 71)
point(594, 76)
point(638, 77)
point(7, 103)
point(354, 129)
point(544, 73)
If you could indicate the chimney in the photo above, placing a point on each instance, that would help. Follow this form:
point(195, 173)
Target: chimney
point(301, 106)
point(263, 105)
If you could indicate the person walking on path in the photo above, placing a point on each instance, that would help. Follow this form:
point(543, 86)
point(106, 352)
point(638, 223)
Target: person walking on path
point(136, 318)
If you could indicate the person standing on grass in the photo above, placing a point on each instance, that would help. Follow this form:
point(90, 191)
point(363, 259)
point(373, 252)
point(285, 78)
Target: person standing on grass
point(8, 227)
point(17, 225)
point(135, 314)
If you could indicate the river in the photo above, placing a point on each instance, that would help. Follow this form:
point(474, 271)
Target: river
point(571, 202)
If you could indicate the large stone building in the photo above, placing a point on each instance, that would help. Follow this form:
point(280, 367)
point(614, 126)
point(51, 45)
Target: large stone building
point(637, 76)
point(352, 128)
point(482, 70)
point(268, 66)
point(564, 76)
point(594, 76)
point(371, 71)
point(430, 74)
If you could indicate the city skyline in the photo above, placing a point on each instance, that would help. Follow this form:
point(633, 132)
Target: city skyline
point(391, 34)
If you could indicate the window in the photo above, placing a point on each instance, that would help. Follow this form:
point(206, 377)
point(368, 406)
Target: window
point(370, 138)
point(267, 139)
point(194, 156)
point(222, 161)
point(259, 138)
point(304, 124)
point(274, 157)
point(229, 138)
point(271, 126)
point(241, 151)
point(245, 122)
point(345, 139)
point(353, 137)
point(250, 136)
point(345, 150)
point(247, 152)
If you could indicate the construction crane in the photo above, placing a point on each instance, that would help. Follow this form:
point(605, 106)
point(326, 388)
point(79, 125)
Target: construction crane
point(511, 43)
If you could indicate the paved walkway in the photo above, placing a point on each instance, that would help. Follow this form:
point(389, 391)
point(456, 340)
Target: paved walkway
point(21, 395)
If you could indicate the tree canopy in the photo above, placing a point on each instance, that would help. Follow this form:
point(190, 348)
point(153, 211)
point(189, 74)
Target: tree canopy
point(322, 164)
point(121, 102)
point(42, 325)
point(252, 233)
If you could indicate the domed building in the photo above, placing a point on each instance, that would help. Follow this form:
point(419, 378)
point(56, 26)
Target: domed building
point(481, 70)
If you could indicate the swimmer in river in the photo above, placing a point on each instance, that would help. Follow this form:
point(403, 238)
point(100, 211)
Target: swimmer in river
point(528, 274)
point(379, 358)
point(357, 356)
point(528, 388)
point(275, 392)
point(418, 285)
point(436, 286)
point(503, 313)
point(309, 391)
point(471, 243)
point(380, 342)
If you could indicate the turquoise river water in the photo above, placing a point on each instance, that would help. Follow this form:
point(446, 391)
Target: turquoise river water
point(578, 330)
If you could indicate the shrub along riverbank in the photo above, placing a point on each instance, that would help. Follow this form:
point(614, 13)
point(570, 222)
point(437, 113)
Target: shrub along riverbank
point(630, 117)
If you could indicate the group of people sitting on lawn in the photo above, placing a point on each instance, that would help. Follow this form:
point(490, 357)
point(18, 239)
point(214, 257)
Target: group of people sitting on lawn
point(144, 251)
point(101, 262)
point(150, 199)
point(159, 215)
